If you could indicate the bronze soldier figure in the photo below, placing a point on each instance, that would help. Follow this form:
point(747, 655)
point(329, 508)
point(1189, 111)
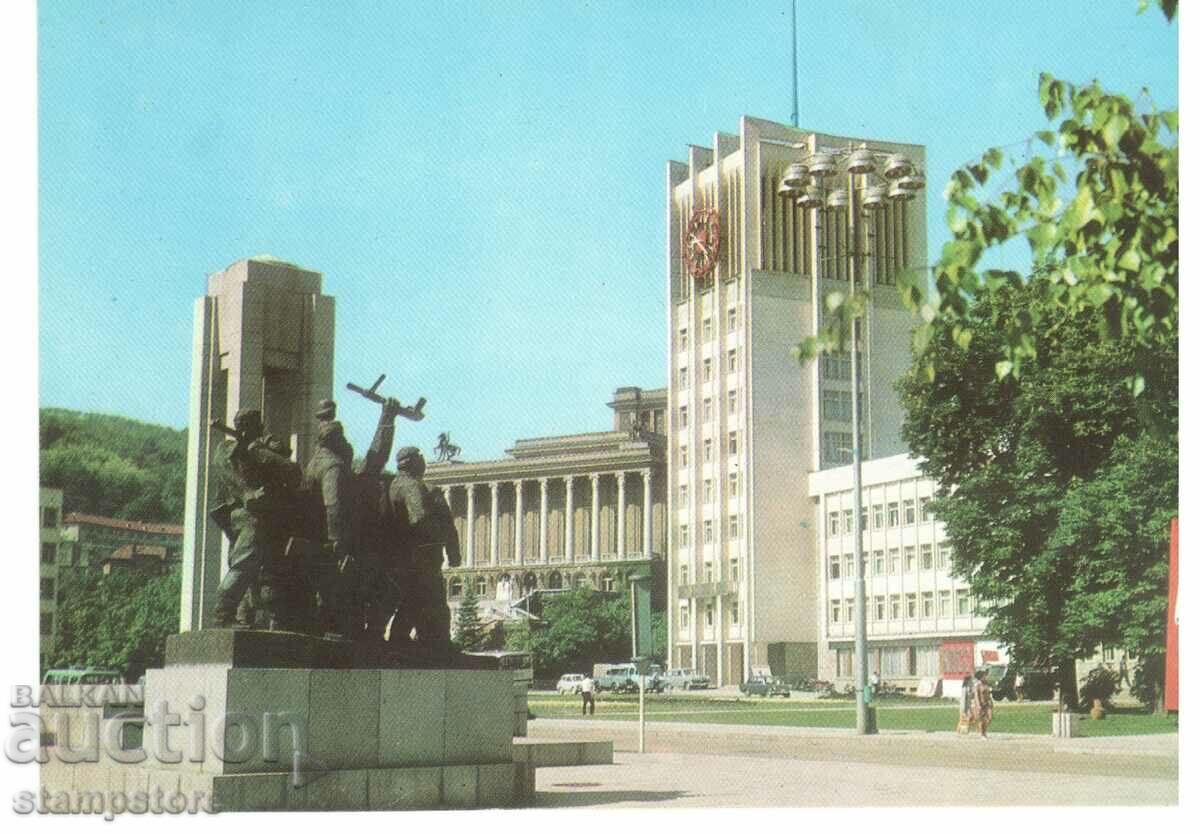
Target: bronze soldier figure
point(256, 517)
point(420, 527)
point(328, 488)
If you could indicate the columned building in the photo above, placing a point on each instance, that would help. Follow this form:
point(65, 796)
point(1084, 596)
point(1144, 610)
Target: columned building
point(561, 512)
point(748, 274)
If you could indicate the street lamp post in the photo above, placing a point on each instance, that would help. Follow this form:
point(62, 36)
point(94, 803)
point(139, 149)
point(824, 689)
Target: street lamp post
point(902, 182)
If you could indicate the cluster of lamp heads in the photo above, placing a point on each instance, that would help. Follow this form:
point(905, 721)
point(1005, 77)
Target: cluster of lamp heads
point(801, 180)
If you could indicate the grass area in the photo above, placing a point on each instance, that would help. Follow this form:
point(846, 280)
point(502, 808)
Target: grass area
point(893, 714)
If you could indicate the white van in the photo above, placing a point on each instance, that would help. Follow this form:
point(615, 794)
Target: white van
point(569, 684)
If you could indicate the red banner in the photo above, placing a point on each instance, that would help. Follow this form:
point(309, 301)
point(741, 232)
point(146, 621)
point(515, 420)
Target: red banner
point(957, 660)
point(1172, 676)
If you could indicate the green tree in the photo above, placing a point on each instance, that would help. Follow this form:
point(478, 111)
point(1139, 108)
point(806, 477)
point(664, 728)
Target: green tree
point(469, 631)
point(1100, 213)
point(1054, 492)
point(119, 621)
point(114, 466)
point(580, 628)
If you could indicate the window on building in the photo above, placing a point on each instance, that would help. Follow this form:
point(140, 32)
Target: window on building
point(910, 511)
point(607, 583)
point(708, 450)
point(862, 520)
point(834, 522)
point(734, 532)
point(46, 623)
point(835, 447)
point(733, 443)
point(835, 366)
point(683, 574)
point(835, 405)
point(926, 513)
point(835, 567)
point(706, 365)
point(683, 338)
point(835, 611)
point(708, 490)
point(733, 484)
point(731, 319)
point(1109, 653)
point(943, 603)
point(49, 552)
point(683, 494)
point(848, 520)
point(708, 615)
point(47, 587)
point(49, 516)
point(962, 602)
point(894, 561)
point(683, 455)
point(708, 531)
point(683, 416)
point(910, 606)
point(733, 402)
point(943, 559)
point(708, 411)
point(877, 558)
point(848, 565)
point(481, 586)
point(893, 514)
point(927, 604)
point(910, 559)
point(456, 587)
point(683, 377)
point(877, 513)
point(733, 613)
point(683, 535)
point(685, 618)
point(880, 612)
point(733, 570)
point(708, 572)
point(707, 330)
point(894, 605)
point(926, 557)
point(732, 360)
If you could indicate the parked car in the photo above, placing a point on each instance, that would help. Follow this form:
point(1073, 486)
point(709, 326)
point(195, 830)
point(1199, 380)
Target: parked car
point(624, 678)
point(684, 679)
point(569, 684)
point(765, 687)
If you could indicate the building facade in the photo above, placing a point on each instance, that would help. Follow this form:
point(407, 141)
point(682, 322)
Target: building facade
point(50, 519)
point(91, 541)
point(921, 620)
point(747, 424)
point(561, 512)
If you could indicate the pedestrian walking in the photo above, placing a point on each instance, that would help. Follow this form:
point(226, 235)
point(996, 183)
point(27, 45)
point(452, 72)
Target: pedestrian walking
point(964, 706)
point(981, 702)
point(587, 690)
point(1019, 687)
point(1124, 673)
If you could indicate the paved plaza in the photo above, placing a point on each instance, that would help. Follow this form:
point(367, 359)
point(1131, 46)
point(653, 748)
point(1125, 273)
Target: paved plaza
point(736, 766)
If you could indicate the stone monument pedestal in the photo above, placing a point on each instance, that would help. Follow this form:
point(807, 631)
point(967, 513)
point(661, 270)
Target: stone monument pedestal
point(264, 721)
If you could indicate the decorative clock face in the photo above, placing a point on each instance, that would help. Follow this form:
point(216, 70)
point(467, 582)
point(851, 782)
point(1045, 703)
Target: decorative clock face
point(702, 242)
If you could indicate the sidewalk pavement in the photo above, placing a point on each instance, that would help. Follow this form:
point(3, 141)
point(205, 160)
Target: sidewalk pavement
point(713, 765)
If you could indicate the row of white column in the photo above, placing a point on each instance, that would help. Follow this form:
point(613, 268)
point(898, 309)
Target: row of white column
point(543, 552)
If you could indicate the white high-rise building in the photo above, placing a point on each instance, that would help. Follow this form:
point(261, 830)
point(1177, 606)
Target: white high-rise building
point(747, 273)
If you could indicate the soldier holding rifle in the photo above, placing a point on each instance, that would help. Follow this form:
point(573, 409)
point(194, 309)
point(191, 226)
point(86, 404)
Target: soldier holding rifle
point(257, 513)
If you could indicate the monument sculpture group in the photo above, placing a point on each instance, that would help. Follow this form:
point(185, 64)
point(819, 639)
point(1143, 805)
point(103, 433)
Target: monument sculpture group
point(313, 669)
point(334, 550)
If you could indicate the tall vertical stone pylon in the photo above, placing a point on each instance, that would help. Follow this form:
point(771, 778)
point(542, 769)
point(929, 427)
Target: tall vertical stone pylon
point(263, 338)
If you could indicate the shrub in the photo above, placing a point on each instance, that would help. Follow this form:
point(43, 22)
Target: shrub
point(1102, 683)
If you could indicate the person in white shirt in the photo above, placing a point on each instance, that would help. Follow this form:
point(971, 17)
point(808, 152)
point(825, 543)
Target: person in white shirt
point(587, 690)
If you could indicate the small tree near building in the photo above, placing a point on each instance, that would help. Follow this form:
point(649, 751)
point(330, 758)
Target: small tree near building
point(469, 632)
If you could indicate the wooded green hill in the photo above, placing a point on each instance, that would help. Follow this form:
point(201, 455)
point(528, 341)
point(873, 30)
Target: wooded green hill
point(114, 466)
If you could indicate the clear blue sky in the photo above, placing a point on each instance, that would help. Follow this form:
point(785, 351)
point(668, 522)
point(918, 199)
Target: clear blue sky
point(482, 184)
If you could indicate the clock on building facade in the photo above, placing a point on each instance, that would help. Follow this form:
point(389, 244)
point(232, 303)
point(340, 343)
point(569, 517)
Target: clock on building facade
point(703, 243)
